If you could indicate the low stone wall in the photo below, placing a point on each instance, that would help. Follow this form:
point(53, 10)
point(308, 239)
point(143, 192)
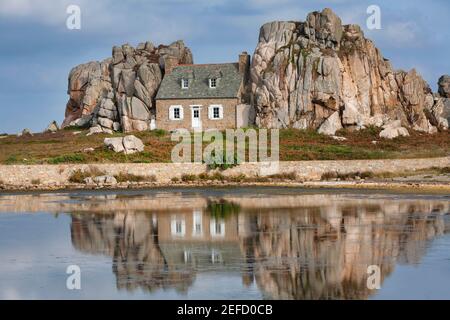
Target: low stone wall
point(57, 175)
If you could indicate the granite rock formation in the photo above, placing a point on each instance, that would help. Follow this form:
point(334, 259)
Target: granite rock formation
point(118, 93)
point(444, 96)
point(324, 75)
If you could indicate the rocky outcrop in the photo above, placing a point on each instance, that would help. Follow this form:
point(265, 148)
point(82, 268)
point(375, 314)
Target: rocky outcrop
point(324, 75)
point(118, 93)
point(444, 86)
point(444, 97)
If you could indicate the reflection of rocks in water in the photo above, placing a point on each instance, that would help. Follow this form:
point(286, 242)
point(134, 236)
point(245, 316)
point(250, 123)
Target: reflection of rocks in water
point(132, 241)
point(296, 252)
point(323, 253)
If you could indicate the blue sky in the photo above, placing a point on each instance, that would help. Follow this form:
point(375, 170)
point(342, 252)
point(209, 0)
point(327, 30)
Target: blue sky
point(38, 51)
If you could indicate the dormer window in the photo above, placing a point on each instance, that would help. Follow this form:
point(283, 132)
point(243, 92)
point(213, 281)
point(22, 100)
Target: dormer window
point(184, 83)
point(213, 83)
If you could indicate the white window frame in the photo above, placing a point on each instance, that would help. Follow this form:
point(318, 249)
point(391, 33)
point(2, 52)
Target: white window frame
point(172, 113)
point(211, 111)
point(211, 81)
point(184, 85)
point(197, 220)
point(214, 223)
point(174, 224)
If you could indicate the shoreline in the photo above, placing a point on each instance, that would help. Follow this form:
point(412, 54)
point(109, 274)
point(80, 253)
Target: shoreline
point(398, 187)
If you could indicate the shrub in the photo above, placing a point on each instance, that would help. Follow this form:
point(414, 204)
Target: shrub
point(222, 208)
point(159, 132)
point(79, 175)
point(12, 159)
point(445, 170)
point(284, 176)
point(217, 176)
point(188, 177)
point(204, 176)
point(175, 179)
point(36, 181)
point(128, 177)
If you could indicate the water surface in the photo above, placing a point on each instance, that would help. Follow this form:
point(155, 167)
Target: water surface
point(259, 243)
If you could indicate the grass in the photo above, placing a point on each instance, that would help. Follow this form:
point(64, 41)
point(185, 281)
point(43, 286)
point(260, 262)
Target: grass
point(68, 158)
point(65, 148)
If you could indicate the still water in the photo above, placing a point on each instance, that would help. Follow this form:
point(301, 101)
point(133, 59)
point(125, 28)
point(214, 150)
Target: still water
point(240, 243)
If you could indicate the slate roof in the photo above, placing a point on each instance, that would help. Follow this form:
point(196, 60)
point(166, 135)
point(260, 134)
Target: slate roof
point(228, 82)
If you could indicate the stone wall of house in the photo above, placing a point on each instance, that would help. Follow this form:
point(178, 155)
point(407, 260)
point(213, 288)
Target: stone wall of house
point(228, 121)
point(58, 175)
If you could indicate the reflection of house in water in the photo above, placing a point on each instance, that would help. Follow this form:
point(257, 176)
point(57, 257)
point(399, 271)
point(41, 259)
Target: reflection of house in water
point(315, 251)
point(200, 240)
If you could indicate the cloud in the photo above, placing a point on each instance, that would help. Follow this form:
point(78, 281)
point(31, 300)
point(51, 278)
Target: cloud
point(403, 34)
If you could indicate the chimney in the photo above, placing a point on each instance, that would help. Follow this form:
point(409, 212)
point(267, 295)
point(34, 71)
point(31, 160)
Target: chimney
point(169, 64)
point(244, 63)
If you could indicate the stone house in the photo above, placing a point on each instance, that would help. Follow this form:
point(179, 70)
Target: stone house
point(204, 96)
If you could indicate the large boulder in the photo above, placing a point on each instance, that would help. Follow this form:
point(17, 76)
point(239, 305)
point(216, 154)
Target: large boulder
point(303, 73)
point(393, 130)
point(127, 145)
point(331, 125)
point(118, 93)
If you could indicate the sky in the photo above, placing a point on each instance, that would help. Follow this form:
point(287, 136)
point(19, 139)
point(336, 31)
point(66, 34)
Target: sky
point(37, 50)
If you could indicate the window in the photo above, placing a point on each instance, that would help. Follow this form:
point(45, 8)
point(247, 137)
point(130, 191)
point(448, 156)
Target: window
point(197, 225)
point(217, 228)
point(176, 113)
point(184, 83)
point(178, 227)
point(213, 83)
point(215, 112)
